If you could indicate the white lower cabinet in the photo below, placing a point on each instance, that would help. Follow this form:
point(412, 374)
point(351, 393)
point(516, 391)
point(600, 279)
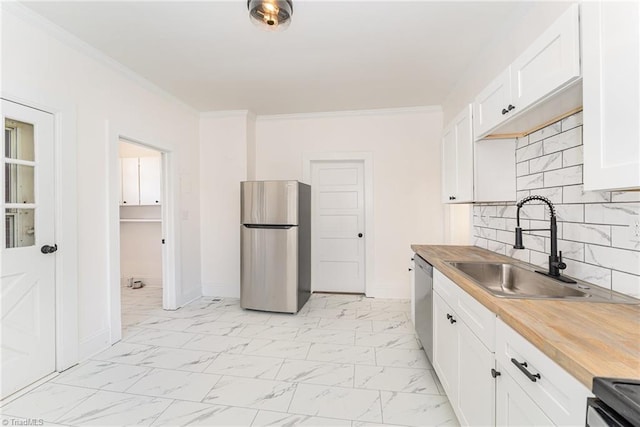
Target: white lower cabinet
point(461, 360)
point(476, 386)
point(514, 407)
point(561, 397)
point(445, 346)
point(492, 375)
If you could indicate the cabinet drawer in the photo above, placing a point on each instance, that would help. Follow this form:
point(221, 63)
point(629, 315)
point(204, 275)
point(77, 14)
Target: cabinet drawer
point(478, 318)
point(514, 408)
point(445, 287)
point(562, 396)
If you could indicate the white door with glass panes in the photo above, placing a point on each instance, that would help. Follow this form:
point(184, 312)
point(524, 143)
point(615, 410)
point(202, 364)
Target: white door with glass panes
point(27, 291)
point(338, 239)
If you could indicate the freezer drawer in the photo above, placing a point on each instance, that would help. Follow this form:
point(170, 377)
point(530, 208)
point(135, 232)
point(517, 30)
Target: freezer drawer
point(269, 273)
point(269, 202)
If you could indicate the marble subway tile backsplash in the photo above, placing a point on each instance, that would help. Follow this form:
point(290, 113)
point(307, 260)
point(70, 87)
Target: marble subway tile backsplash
point(596, 229)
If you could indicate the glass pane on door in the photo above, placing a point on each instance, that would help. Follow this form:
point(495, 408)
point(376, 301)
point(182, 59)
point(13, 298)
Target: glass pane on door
point(19, 225)
point(19, 140)
point(19, 184)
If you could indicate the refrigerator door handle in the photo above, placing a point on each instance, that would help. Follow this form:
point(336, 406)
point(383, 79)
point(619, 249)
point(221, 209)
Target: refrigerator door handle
point(272, 226)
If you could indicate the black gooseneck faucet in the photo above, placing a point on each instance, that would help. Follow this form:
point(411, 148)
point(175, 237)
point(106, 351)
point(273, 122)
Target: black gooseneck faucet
point(555, 261)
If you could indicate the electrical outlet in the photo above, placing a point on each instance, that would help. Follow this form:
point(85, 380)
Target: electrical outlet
point(636, 228)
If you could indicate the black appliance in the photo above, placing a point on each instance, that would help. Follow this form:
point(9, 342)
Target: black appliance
point(617, 403)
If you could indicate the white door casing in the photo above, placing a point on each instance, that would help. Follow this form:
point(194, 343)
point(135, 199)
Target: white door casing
point(170, 233)
point(338, 211)
point(27, 291)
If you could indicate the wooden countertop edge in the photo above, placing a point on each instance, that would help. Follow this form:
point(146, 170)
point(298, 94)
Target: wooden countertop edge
point(507, 310)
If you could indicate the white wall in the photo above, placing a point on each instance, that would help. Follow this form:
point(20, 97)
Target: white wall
point(223, 165)
point(405, 145)
point(141, 252)
point(41, 63)
point(126, 150)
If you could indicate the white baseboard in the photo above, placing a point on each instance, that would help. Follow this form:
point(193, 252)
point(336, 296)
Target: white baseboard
point(215, 290)
point(389, 293)
point(94, 344)
point(152, 281)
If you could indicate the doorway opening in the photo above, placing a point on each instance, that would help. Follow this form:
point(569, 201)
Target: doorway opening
point(141, 233)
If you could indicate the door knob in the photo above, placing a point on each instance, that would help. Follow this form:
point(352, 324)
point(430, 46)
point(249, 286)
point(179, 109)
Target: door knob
point(360, 235)
point(46, 249)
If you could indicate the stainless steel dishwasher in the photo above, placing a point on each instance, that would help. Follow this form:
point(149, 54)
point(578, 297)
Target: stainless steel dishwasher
point(424, 304)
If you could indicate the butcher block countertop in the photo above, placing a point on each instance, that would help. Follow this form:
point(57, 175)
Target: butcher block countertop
point(587, 339)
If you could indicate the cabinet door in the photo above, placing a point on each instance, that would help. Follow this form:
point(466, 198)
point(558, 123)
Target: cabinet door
point(449, 170)
point(495, 170)
point(611, 85)
point(491, 105)
point(476, 387)
point(551, 62)
point(445, 346)
point(464, 155)
point(150, 178)
point(514, 407)
point(130, 186)
point(120, 178)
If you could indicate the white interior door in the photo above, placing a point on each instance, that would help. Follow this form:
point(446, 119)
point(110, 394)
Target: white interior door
point(27, 291)
point(339, 222)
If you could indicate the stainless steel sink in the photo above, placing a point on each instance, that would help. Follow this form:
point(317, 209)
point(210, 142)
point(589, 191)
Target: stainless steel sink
point(512, 281)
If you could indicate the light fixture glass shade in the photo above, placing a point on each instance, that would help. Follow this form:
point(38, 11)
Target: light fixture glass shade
point(271, 15)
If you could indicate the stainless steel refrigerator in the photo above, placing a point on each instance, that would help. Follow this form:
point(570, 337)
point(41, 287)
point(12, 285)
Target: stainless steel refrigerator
point(275, 260)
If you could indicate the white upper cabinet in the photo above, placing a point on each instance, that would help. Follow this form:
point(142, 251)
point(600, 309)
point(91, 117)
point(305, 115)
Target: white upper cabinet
point(540, 76)
point(150, 177)
point(130, 185)
point(449, 168)
point(551, 62)
point(611, 82)
point(482, 171)
point(491, 105)
point(457, 152)
point(141, 181)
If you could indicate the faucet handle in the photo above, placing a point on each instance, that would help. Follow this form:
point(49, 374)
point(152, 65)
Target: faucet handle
point(561, 265)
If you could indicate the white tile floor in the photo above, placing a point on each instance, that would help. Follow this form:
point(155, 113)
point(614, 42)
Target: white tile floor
point(342, 361)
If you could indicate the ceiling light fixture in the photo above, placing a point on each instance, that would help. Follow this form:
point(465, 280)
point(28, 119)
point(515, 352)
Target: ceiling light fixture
point(271, 15)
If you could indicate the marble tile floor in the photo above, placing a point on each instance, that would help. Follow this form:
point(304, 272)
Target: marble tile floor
point(343, 360)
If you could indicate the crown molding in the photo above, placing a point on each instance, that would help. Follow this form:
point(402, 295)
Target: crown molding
point(226, 113)
point(427, 109)
point(41, 23)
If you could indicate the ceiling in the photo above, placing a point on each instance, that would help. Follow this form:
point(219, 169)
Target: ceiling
point(336, 55)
